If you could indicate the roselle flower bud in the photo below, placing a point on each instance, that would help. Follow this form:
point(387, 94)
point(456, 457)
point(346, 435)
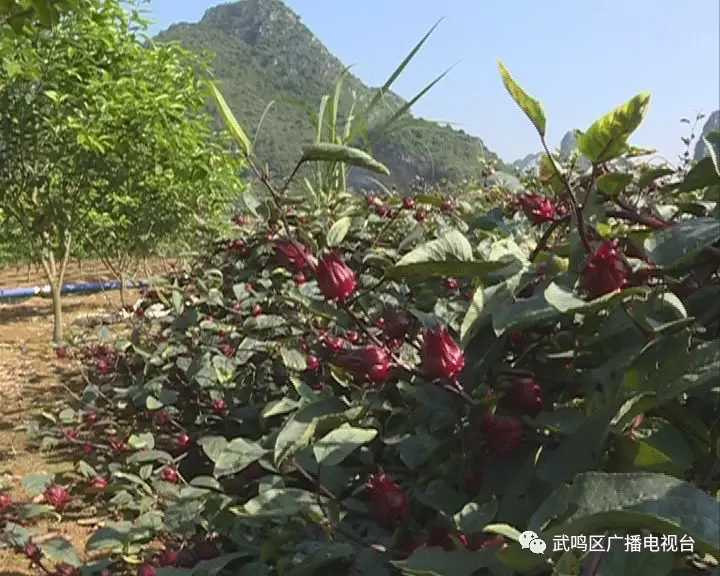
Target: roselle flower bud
point(408, 203)
point(446, 205)
point(420, 215)
point(441, 356)
point(182, 441)
point(218, 406)
point(98, 482)
point(32, 551)
point(526, 396)
point(538, 209)
point(313, 362)
point(395, 324)
point(117, 445)
point(65, 569)
point(146, 570)
point(169, 474)
point(370, 362)
point(605, 270)
point(294, 256)
point(56, 495)
point(335, 278)
point(5, 501)
point(388, 502)
point(169, 557)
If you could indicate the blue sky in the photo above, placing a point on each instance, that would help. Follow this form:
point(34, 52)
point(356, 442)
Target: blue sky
point(581, 58)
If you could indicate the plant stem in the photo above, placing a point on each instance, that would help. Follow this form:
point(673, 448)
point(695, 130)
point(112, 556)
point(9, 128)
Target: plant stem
point(571, 197)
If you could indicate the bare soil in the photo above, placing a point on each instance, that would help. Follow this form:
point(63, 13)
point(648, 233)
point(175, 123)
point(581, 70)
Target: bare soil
point(30, 381)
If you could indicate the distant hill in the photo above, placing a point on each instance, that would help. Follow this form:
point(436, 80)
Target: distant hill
point(532, 161)
point(263, 53)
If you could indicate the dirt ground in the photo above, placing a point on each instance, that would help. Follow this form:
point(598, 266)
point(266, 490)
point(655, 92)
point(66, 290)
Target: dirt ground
point(30, 375)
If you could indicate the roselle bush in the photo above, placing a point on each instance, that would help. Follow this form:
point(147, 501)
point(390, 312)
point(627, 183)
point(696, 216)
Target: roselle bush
point(432, 387)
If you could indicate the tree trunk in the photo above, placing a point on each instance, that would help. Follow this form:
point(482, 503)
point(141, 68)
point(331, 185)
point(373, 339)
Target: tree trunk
point(57, 312)
point(123, 289)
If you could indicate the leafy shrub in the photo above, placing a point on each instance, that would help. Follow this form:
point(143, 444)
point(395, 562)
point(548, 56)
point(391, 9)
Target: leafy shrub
point(383, 384)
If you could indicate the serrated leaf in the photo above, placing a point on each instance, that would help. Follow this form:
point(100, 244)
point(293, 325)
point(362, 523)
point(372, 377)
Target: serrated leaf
point(237, 455)
point(607, 137)
point(338, 231)
point(529, 105)
point(334, 447)
point(613, 183)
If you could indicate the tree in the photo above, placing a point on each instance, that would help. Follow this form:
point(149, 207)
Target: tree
point(166, 168)
point(79, 109)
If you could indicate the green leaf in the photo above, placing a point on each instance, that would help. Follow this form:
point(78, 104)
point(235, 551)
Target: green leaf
point(669, 246)
point(532, 107)
point(334, 447)
point(522, 314)
point(422, 270)
point(230, 121)
point(58, 549)
point(213, 446)
point(438, 562)
point(618, 562)
point(145, 456)
point(451, 246)
point(548, 173)
point(416, 450)
point(647, 177)
point(607, 137)
point(237, 455)
point(474, 517)
point(596, 501)
point(293, 359)
point(338, 231)
point(283, 502)
point(144, 441)
point(566, 302)
point(700, 176)
point(110, 537)
point(36, 482)
point(613, 183)
point(325, 152)
point(278, 407)
point(264, 322)
point(299, 429)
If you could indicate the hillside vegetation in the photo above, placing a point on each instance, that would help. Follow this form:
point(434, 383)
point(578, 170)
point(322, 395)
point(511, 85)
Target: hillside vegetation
point(263, 53)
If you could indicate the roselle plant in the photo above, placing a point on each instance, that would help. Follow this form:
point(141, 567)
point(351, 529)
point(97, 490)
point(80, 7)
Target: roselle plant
point(373, 419)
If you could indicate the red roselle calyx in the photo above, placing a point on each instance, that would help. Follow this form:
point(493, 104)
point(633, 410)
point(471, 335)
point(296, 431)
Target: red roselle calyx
point(294, 256)
point(526, 396)
point(605, 270)
point(56, 495)
point(440, 354)
point(388, 502)
point(503, 434)
point(370, 362)
point(538, 209)
point(335, 279)
point(395, 324)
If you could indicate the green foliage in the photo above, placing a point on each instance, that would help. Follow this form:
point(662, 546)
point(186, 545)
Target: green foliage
point(116, 156)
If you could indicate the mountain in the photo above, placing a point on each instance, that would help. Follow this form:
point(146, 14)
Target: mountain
point(264, 53)
point(568, 144)
point(711, 125)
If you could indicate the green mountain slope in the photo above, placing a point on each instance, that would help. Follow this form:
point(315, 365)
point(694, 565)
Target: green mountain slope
point(263, 53)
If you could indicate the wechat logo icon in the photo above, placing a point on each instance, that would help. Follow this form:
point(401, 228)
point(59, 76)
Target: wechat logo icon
point(529, 539)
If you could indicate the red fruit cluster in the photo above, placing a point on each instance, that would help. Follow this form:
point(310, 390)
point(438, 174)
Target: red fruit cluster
point(369, 363)
point(538, 209)
point(388, 502)
point(335, 279)
point(101, 357)
point(605, 270)
point(441, 357)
